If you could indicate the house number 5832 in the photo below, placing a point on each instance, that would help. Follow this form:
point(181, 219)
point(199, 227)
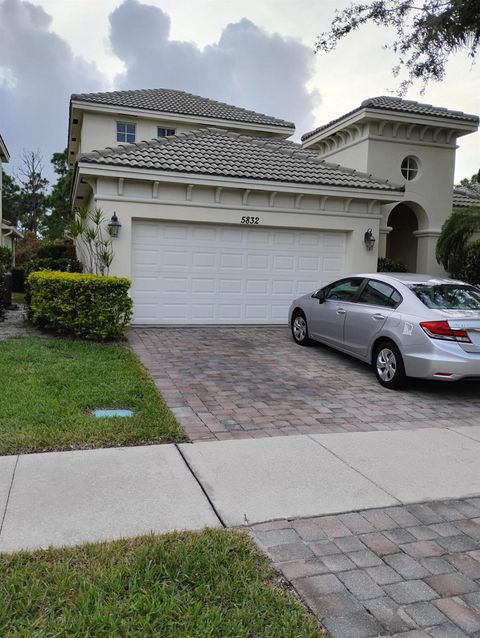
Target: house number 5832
point(250, 220)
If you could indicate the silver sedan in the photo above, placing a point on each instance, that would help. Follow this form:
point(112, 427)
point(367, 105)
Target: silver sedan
point(404, 325)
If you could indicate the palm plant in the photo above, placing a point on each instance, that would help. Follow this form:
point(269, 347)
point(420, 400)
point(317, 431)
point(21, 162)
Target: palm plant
point(93, 239)
point(457, 230)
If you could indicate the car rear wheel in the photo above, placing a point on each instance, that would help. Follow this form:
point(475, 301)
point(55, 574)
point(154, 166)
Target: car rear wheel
point(300, 329)
point(388, 364)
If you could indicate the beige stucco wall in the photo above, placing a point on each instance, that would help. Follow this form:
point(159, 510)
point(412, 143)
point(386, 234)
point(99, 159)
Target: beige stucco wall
point(206, 206)
point(99, 130)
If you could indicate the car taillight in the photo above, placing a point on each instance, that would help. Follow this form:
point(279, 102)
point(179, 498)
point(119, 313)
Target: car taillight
point(441, 330)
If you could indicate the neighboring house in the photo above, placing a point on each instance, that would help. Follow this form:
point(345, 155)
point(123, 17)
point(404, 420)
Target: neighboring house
point(8, 234)
point(465, 197)
point(224, 220)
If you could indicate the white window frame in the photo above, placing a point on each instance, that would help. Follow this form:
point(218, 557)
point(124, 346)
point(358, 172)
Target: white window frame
point(412, 169)
point(125, 133)
point(168, 131)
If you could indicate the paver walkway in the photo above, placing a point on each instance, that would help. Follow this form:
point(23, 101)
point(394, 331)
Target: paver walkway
point(250, 382)
point(14, 324)
point(411, 571)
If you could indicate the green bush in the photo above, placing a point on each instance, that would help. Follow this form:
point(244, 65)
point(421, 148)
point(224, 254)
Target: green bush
point(385, 264)
point(6, 258)
point(60, 264)
point(2, 291)
point(77, 304)
point(470, 270)
point(58, 249)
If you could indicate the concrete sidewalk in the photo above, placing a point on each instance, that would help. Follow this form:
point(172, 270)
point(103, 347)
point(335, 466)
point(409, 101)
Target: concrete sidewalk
point(64, 498)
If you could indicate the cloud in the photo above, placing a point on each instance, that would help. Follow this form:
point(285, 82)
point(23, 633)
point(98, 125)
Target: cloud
point(38, 72)
point(247, 67)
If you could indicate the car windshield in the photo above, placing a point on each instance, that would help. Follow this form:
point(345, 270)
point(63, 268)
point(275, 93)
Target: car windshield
point(447, 296)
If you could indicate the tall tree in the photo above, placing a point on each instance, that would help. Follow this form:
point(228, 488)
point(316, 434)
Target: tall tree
point(33, 187)
point(428, 32)
point(59, 214)
point(471, 182)
point(11, 200)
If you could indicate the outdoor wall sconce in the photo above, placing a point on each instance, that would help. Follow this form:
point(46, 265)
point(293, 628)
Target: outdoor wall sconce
point(368, 238)
point(114, 225)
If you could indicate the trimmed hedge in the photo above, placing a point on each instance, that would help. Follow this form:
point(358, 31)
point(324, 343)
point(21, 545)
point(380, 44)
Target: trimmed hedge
point(82, 305)
point(3, 289)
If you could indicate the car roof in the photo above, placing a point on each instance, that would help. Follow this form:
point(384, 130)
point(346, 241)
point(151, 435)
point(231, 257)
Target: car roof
point(410, 278)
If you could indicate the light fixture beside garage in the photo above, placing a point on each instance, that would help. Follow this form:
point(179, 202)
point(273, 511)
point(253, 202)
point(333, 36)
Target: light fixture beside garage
point(114, 225)
point(369, 239)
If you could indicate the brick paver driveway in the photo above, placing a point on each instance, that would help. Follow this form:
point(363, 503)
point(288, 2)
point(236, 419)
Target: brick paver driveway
point(253, 382)
point(410, 571)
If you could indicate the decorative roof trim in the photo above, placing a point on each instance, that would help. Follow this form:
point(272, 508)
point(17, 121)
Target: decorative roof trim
point(400, 106)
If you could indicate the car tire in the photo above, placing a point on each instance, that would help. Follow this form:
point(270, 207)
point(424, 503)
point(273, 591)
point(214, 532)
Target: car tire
point(388, 366)
point(300, 329)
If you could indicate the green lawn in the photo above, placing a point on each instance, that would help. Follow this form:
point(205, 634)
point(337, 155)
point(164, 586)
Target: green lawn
point(214, 584)
point(50, 386)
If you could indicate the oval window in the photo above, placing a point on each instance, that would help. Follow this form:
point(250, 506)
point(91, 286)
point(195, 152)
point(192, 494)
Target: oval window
point(410, 167)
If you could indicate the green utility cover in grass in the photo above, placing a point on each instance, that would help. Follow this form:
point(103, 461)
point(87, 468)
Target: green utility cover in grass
point(101, 414)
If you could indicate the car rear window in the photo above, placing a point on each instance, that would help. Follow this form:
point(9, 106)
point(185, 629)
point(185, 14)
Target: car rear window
point(447, 296)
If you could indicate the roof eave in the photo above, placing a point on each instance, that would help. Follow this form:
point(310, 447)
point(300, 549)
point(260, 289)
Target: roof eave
point(286, 129)
point(4, 154)
point(392, 194)
point(462, 126)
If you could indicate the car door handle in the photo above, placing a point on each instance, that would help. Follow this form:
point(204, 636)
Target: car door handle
point(341, 311)
point(378, 317)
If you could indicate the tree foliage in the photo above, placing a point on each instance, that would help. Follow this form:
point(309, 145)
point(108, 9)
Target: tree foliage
point(11, 200)
point(428, 32)
point(473, 181)
point(33, 191)
point(452, 244)
point(59, 212)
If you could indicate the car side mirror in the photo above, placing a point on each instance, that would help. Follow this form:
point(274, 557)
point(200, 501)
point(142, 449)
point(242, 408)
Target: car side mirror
point(320, 295)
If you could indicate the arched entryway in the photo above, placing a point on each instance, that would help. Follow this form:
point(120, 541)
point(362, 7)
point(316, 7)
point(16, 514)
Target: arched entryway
point(401, 240)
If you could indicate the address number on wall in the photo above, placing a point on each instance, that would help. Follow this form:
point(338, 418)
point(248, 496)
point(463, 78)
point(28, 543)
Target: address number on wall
point(250, 220)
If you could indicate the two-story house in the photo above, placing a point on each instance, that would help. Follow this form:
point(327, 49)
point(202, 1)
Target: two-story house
point(224, 220)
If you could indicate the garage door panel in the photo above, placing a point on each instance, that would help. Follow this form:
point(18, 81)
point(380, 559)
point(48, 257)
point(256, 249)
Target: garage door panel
point(257, 287)
point(188, 273)
point(230, 286)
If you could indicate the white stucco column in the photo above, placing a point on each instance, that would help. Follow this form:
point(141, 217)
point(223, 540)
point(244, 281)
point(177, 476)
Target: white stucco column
point(426, 247)
point(382, 240)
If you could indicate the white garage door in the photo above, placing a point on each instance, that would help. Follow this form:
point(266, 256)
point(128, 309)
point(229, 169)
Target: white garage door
point(186, 273)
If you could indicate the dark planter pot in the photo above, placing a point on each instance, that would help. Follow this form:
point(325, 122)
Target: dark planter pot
point(18, 280)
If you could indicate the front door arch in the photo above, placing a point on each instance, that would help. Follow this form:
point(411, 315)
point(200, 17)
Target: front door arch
point(402, 242)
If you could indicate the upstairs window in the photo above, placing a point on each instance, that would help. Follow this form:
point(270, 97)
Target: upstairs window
point(165, 132)
point(126, 132)
point(410, 168)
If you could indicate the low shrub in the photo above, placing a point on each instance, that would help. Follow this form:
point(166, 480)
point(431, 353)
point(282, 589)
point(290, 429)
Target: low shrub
point(3, 292)
point(81, 305)
point(385, 264)
point(56, 249)
point(6, 258)
point(470, 270)
point(59, 264)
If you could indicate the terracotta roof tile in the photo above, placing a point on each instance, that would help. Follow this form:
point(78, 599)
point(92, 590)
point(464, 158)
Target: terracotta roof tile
point(389, 103)
point(172, 101)
point(217, 152)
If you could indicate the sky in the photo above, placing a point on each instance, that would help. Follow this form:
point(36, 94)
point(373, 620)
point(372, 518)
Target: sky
point(258, 54)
